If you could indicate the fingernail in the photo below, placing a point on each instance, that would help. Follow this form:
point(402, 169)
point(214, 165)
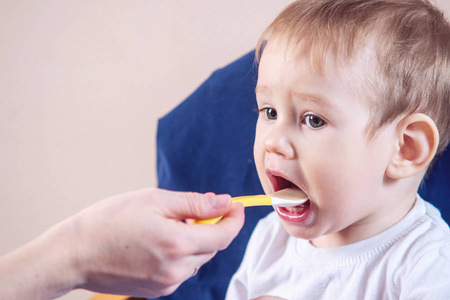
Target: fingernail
point(220, 201)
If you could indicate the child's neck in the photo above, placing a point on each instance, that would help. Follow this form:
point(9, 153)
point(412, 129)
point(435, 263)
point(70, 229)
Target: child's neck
point(402, 203)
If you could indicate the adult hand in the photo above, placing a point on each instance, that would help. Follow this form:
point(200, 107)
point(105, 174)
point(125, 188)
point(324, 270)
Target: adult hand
point(133, 244)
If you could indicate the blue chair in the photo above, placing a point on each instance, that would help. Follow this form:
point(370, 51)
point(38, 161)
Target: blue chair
point(206, 145)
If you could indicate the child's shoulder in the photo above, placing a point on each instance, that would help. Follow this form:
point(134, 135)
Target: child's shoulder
point(423, 266)
point(429, 228)
point(435, 218)
point(429, 234)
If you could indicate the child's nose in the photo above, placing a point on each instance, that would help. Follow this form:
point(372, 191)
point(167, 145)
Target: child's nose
point(278, 141)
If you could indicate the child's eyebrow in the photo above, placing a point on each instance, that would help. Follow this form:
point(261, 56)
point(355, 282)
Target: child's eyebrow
point(314, 99)
point(303, 97)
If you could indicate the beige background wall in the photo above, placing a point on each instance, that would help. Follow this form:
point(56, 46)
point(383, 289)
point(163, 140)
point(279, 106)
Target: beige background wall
point(82, 84)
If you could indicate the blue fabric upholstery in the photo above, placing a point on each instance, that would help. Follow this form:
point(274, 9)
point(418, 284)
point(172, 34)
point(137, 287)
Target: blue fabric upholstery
point(205, 145)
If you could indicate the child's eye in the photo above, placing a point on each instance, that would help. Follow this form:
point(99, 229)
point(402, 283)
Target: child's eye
point(314, 121)
point(269, 112)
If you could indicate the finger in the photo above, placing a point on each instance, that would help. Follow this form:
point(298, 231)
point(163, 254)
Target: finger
point(206, 238)
point(184, 268)
point(189, 205)
point(195, 262)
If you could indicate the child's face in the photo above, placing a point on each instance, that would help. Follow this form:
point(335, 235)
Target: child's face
point(311, 134)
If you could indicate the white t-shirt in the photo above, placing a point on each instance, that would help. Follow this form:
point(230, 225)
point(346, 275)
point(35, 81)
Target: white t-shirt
point(410, 260)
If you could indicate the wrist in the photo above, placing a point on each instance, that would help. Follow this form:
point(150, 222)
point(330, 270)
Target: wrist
point(62, 258)
point(45, 268)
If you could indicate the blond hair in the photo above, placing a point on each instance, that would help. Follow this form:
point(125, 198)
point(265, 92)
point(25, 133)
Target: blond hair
point(408, 42)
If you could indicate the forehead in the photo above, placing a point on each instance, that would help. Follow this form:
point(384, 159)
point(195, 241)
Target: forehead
point(286, 74)
point(355, 72)
point(284, 64)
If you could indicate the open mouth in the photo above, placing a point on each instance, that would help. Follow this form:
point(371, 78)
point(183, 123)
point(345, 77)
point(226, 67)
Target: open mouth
point(279, 182)
point(297, 213)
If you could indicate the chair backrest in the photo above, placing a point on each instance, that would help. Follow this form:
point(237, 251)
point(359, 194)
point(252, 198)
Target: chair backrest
point(206, 145)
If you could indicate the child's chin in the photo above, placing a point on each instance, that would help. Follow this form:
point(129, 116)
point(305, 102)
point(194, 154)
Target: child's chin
point(296, 231)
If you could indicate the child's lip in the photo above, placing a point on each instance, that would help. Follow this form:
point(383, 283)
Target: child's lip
point(297, 214)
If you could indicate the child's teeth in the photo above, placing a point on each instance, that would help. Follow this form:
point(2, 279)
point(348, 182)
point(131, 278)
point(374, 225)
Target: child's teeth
point(297, 210)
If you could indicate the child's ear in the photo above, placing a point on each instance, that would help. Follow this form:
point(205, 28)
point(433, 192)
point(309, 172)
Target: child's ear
point(418, 139)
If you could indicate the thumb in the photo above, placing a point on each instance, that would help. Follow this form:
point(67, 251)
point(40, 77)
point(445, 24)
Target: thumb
point(190, 205)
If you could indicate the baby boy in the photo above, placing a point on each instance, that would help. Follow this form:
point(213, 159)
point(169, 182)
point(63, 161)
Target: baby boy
point(354, 101)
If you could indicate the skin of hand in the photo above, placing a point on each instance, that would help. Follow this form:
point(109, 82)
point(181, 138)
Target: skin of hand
point(133, 244)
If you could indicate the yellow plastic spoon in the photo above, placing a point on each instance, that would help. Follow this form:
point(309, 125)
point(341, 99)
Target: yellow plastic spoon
point(286, 197)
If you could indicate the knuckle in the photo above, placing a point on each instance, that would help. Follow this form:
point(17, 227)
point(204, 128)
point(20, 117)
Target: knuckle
point(223, 246)
point(176, 249)
point(225, 240)
point(172, 277)
point(195, 202)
